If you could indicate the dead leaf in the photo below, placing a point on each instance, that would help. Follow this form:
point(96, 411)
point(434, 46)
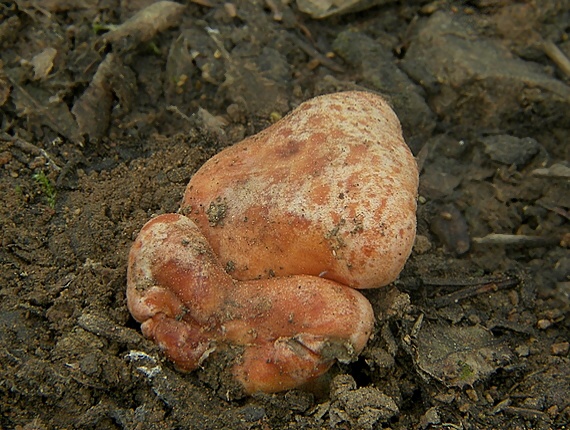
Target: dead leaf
point(39, 106)
point(145, 24)
point(93, 109)
point(43, 63)
point(459, 356)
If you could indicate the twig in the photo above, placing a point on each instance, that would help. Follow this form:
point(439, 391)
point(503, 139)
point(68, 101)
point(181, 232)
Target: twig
point(463, 282)
point(175, 110)
point(30, 148)
point(473, 291)
point(557, 210)
point(517, 240)
point(206, 3)
point(556, 55)
point(277, 14)
point(526, 413)
point(214, 34)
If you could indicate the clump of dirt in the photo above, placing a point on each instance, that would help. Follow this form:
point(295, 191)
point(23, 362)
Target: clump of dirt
point(108, 108)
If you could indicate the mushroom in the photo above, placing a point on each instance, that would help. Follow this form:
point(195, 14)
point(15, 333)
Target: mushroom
point(273, 233)
point(288, 330)
point(329, 190)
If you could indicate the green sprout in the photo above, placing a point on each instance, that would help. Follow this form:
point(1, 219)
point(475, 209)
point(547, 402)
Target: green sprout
point(467, 371)
point(99, 27)
point(47, 187)
point(153, 47)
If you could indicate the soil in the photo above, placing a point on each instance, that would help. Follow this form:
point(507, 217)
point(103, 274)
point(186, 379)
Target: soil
point(105, 115)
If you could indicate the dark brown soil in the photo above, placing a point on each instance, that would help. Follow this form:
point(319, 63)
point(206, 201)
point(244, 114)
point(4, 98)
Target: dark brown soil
point(101, 128)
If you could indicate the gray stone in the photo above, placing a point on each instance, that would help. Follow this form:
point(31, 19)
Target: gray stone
point(471, 80)
point(510, 149)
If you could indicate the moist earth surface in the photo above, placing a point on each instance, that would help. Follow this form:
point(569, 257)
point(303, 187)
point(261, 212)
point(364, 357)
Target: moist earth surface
point(108, 107)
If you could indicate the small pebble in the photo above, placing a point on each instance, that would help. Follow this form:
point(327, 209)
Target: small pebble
point(464, 407)
point(522, 350)
point(5, 157)
point(543, 324)
point(253, 413)
point(472, 394)
point(562, 269)
point(474, 319)
point(536, 403)
point(431, 417)
point(560, 348)
point(37, 162)
point(513, 298)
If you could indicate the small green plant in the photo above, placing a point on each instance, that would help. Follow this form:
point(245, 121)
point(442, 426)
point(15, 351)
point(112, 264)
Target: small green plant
point(467, 371)
point(153, 47)
point(99, 27)
point(47, 187)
